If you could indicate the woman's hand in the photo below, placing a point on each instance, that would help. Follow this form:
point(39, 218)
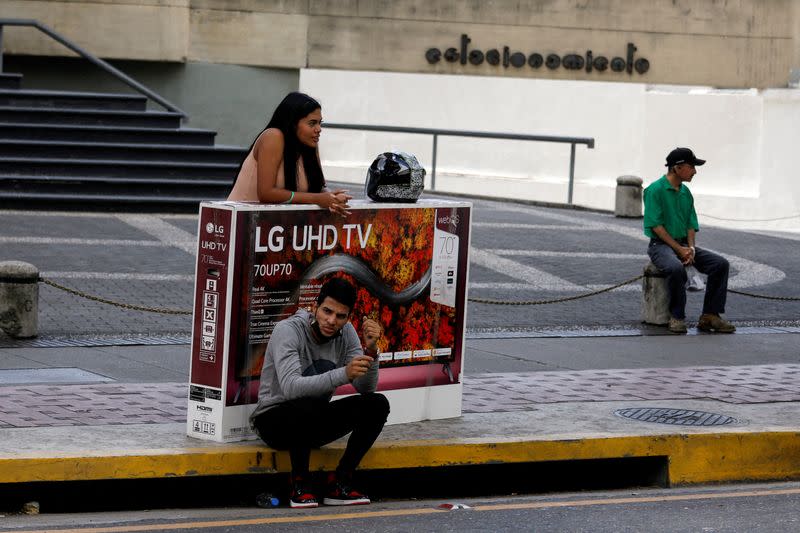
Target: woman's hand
point(335, 201)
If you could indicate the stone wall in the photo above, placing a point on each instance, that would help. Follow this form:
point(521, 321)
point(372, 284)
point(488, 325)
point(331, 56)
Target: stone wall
point(742, 43)
point(747, 136)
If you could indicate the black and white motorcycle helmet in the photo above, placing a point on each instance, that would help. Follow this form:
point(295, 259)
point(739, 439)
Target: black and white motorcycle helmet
point(395, 177)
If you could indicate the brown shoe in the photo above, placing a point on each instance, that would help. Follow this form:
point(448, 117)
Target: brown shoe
point(714, 324)
point(676, 325)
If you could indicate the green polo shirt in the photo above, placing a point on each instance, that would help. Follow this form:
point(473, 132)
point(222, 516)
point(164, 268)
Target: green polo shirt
point(664, 206)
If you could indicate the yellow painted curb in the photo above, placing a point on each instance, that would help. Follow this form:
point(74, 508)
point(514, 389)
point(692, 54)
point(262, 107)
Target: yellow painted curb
point(140, 464)
point(692, 458)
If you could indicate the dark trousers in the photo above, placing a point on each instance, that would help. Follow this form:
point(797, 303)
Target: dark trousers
point(713, 265)
point(306, 423)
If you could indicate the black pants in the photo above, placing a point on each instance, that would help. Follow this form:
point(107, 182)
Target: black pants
point(306, 423)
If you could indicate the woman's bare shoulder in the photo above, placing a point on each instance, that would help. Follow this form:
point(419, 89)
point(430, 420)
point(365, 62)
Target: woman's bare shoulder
point(269, 139)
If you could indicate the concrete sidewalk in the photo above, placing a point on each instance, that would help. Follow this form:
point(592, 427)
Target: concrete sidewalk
point(729, 421)
point(102, 393)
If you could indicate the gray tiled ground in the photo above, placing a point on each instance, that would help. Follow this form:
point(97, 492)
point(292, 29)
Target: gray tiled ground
point(90, 227)
point(102, 258)
point(741, 384)
point(81, 405)
point(155, 403)
point(63, 314)
point(583, 271)
point(25, 376)
point(186, 223)
point(577, 240)
point(478, 272)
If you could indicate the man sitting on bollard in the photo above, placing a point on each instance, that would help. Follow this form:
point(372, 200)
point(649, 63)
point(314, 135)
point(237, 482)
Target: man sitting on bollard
point(670, 221)
point(309, 355)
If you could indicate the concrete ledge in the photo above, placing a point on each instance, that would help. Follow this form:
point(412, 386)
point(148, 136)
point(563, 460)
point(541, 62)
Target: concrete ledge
point(706, 458)
point(692, 459)
point(694, 455)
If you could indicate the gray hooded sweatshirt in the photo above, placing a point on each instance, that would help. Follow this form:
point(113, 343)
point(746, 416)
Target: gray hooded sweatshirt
point(297, 366)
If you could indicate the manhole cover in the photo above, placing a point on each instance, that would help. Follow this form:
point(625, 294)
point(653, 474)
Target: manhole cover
point(675, 417)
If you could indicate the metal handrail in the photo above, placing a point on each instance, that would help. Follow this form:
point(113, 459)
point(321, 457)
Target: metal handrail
point(588, 141)
point(121, 76)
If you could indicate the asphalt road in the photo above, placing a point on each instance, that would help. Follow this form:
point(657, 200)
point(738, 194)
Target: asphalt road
point(732, 508)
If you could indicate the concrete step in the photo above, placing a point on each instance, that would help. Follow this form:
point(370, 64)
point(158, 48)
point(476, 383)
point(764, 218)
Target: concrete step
point(121, 151)
point(19, 167)
point(71, 100)
point(81, 198)
point(41, 181)
point(10, 80)
point(36, 115)
point(107, 134)
point(91, 192)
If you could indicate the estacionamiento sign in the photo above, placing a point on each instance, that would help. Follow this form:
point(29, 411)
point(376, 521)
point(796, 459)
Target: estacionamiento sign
point(535, 60)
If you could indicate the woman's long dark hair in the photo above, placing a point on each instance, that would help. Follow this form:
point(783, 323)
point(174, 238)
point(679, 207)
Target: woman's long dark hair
point(292, 108)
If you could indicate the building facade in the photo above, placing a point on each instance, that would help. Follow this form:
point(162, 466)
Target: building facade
point(639, 77)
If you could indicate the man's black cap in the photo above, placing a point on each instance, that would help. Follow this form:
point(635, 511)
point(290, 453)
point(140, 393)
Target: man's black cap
point(683, 155)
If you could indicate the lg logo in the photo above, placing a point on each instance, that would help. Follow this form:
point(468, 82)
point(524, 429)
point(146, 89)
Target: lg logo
point(214, 229)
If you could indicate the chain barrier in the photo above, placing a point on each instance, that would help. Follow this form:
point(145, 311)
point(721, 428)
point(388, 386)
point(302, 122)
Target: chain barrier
point(112, 302)
point(556, 300)
point(766, 297)
point(618, 285)
point(476, 300)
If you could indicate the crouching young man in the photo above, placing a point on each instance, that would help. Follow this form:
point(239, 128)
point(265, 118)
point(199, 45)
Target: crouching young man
point(310, 354)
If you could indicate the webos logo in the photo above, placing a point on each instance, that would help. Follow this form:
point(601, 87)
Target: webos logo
point(449, 219)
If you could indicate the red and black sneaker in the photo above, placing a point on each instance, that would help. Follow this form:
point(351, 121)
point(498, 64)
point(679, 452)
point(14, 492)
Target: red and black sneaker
point(341, 493)
point(301, 495)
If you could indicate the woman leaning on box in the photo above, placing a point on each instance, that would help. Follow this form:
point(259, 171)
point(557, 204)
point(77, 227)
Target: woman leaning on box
point(283, 165)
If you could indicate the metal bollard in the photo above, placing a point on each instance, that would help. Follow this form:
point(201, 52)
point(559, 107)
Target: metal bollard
point(655, 296)
point(629, 197)
point(19, 299)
